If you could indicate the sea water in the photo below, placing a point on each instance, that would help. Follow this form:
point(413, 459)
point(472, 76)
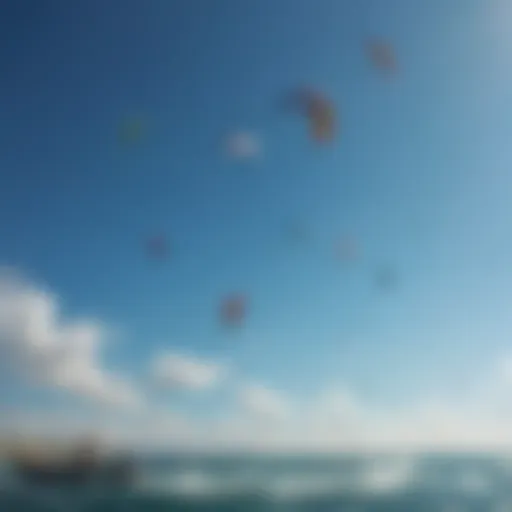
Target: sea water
point(437, 483)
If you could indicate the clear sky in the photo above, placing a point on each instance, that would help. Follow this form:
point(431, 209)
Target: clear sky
point(419, 174)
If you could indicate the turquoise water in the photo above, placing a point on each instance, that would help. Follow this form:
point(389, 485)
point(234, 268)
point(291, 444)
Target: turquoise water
point(352, 484)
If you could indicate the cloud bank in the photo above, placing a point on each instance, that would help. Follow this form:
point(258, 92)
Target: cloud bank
point(39, 347)
point(260, 401)
point(179, 371)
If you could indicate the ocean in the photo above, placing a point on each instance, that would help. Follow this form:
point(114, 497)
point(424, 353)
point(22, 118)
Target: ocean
point(437, 483)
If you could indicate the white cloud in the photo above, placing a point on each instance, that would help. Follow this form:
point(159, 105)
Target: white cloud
point(41, 348)
point(181, 371)
point(337, 419)
point(336, 402)
point(242, 145)
point(333, 420)
point(261, 401)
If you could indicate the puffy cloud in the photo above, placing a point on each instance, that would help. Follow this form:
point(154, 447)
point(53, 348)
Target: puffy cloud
point(334, 419)
point(181, 371)
point(261, 401)
point(336, 402)
point(242, 145)
point(41, 348)
point(337, 419)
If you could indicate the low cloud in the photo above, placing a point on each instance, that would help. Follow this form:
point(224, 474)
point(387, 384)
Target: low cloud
point(185, 372)
point(260, 401)
point(263, 420)
point(39, 347)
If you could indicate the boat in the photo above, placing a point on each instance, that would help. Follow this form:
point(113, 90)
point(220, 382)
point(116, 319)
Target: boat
point(84, 467)
point(74, 474)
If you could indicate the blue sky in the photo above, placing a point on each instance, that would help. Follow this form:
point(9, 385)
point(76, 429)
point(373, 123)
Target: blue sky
point(419, 174)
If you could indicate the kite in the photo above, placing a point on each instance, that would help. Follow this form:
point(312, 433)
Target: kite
point(132, 131)
point(298, 232)
point(385, 278)
point(346, 249)
point(382, 56)
point(157, 247)
point(320, 113)
point(233, 309)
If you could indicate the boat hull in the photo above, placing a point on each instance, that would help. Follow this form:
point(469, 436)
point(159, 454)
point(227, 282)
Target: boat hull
point(75, 475)
point(54, 475)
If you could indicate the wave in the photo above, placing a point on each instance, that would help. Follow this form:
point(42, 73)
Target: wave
point(277, 480)
point(448, 483)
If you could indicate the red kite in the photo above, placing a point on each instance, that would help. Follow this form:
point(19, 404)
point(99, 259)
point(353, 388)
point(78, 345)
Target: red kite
point(233, 309)
point(320, 113)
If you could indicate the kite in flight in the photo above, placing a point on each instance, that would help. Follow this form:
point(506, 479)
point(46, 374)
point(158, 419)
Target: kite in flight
point(386, 278)
point(320, 113)
point(298, 232)
point(346, 249)
point(382, 56)
point(157, 247)
point(132, 131)
point(233, 309)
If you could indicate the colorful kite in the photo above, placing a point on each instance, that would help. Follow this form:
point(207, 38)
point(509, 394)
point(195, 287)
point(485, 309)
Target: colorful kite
point(386, 278)
point(382, 56)
point(233, 309)
point(298, 232)
point(132, 131)
point(157, 247)
point(320, 113)
point(346, 249)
